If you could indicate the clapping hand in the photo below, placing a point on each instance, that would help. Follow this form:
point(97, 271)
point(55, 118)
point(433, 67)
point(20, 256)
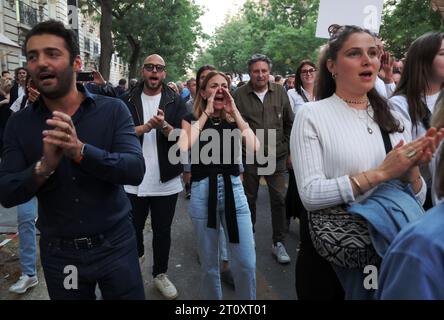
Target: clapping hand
point(63, 136)
point(158, 120)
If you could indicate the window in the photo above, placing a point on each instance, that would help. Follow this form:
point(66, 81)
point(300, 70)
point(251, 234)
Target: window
point(87, 45)
point(96, 48)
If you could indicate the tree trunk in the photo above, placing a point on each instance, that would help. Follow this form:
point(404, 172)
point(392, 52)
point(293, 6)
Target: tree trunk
point(106, 40)
point(134, 59)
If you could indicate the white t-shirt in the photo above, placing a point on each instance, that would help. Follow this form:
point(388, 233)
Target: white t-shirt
point(151, 184)
point(17, 103)
point(21, 91)
point(261, 95)
point(296, 100)
point(399, 104)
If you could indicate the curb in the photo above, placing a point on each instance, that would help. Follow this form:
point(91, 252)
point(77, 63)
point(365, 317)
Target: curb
point(7, 239)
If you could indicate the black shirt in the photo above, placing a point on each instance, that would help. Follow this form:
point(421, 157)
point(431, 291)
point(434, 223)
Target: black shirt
point(230, 166)
point(201, 170)
point(77, 200)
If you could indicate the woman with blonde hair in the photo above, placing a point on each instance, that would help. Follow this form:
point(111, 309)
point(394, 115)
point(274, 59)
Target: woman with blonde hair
point(217, 194)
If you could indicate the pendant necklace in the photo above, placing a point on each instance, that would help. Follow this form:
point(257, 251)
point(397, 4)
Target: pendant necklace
point(366, 120)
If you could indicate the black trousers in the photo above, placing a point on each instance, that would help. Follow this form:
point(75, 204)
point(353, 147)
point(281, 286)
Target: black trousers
point(315, 277)
point(162, 210)
point(73, 273)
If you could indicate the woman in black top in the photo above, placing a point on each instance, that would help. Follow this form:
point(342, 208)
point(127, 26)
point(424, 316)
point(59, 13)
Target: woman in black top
point(217, 194)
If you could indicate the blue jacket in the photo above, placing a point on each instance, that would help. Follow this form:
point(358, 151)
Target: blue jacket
point(389, 208)
point(413, 267)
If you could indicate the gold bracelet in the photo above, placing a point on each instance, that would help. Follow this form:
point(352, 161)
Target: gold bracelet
point(358, 185)
point(368, 181)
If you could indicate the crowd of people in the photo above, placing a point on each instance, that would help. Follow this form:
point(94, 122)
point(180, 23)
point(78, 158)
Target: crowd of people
point(357, 136)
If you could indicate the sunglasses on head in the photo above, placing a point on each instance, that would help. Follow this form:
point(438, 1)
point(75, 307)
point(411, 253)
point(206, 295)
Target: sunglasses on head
point(150, 67)
point(312, 70)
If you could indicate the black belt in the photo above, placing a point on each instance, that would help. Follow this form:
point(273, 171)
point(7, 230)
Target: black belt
point(83, 242)
point(230, 206)
point(78, 243)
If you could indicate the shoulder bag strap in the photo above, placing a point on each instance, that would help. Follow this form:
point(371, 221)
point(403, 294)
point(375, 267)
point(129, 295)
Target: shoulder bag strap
point(387, 143)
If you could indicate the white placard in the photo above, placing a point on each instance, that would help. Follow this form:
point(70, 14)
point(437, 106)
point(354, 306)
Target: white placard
point(363, 13)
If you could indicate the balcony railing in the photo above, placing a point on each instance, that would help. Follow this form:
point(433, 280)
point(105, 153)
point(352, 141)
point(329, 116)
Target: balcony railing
point(28, 14)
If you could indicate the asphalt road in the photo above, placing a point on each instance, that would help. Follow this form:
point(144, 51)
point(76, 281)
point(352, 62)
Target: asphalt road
point(274, 281)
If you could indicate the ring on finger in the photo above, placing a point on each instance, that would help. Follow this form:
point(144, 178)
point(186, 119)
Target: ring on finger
point(410, 153)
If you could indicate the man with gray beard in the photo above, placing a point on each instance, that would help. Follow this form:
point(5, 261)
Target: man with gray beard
point(265, 106)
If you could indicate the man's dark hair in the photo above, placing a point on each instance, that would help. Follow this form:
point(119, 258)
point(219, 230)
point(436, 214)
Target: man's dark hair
point(122, 82)
point(259, 57)
point(190, 80)
point(56, 28)
point(4, 71)
point(16, 72)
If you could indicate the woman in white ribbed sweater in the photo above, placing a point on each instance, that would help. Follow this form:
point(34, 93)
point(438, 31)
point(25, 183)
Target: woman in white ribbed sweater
point(337, 149)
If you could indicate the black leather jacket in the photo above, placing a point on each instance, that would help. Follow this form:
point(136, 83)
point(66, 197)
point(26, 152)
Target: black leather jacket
point(174, 109)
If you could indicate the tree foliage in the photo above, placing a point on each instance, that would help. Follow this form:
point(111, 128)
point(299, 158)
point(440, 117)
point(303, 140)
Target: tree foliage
point(106, 10)
point(169, 28)
point(282, 29)
point(404, 21)
point(136, 28)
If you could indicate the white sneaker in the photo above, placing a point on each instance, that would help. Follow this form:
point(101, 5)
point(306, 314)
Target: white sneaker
point(165, 286)
point(24, 283)
point(280, 253)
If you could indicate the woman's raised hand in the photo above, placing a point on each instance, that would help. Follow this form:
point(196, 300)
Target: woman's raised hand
point(230, 106)
point(210, 104)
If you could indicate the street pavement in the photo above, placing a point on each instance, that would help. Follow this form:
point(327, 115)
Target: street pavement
point(274, 281)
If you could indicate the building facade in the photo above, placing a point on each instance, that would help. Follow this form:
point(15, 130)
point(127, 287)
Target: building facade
point(17, 17)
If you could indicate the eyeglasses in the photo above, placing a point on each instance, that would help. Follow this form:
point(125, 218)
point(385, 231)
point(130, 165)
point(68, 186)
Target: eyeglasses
point(312, 70)
point(150, 67)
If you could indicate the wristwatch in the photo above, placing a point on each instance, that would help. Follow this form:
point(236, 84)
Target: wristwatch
point(39, 172)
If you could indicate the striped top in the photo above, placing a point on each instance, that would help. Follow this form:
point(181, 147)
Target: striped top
point(330, 142)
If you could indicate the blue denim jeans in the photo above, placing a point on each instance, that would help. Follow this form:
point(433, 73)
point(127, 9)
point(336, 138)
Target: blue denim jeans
point(26, 214)
point(223, 245)
point(243, 255)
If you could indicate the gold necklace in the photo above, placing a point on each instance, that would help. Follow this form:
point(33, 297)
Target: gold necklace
point(354, 101)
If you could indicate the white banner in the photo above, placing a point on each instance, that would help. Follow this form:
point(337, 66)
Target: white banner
point(363, 13)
